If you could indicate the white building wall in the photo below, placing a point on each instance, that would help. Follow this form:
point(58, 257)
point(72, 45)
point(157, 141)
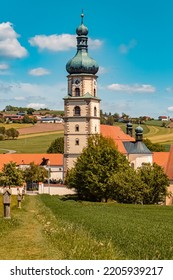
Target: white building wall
point(138, 159)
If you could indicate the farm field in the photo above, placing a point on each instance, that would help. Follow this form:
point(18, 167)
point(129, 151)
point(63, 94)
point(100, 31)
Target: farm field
point(84, 230)
point(16, 125)
point(33, 139)
point(38, 143)
point(37, 138)
point(155, 133)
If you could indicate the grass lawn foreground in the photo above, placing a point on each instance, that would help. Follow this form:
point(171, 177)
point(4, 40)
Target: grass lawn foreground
point(74, 230)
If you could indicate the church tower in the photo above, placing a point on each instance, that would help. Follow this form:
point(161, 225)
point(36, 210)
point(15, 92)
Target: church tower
point(81, 105)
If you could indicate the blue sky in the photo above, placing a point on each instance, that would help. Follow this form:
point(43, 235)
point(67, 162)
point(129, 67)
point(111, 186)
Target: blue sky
point(131, 40)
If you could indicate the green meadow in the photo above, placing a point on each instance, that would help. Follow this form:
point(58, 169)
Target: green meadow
point(38, 143)
point(70, 229)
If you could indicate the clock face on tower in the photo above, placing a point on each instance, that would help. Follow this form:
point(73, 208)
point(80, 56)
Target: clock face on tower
point(77, 81)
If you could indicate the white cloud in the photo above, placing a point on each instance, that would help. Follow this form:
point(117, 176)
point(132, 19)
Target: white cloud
point(4, 66)
point(36, 105)
point(56, 43)
point(53, 42)
point(94, 44)
point(124, 49)
point(170, 108)
point(9, 45)
point(132, 88)
point(39, 72)
point(23, 94)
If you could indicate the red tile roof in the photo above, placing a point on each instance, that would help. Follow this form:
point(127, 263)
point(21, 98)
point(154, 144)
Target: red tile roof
point(165, 159)
point(116, 133)
point(25, 159)
point(161, 158)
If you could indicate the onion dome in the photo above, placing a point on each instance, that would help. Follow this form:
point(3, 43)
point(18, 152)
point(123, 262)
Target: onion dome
point(139, 129)
point(129, 125)
point(139, 133)
point(82, 62)
point(82, 29)
point(129, 128)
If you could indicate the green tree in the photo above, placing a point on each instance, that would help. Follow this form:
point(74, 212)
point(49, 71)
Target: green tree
point(2, 130)
point(12, 133)
point(57, 146)
point(102, 118)
point(30, 111)
point(110, 120)
point(35, 173)
point(116, 117)
point(11, 175)
point(26, 119)
point(154, 147)
point(128, 186)
point(94, 167)
point(157, 181)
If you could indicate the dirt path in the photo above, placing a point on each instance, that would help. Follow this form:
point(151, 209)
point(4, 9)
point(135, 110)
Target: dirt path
point(28, 241)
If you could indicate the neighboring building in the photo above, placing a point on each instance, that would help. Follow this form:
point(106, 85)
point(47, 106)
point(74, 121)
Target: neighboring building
point(163, 118)
point(81, 105)
point(52, 162)
point(134, 149)
point(137, 152)
point(51, 120)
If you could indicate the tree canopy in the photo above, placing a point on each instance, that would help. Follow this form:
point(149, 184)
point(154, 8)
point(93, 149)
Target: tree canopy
point(35, 173)
point(154, 147)
point(94, 167)
point(11, 175)
point(156, 180)
point(57, 146)
point(101, 172)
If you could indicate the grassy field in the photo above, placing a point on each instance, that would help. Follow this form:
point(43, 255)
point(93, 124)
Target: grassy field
point(38, 143)
point(154, 131)
point(82, 230)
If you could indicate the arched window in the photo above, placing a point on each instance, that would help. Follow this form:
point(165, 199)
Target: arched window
point(77, 111)
point(77, 141)
point(94, 92)
point(77, 92)
point(95, 111)
point(77, 127)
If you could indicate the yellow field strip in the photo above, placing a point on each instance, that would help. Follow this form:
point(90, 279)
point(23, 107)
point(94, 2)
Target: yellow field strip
point(40, 134)
point(161, 138)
